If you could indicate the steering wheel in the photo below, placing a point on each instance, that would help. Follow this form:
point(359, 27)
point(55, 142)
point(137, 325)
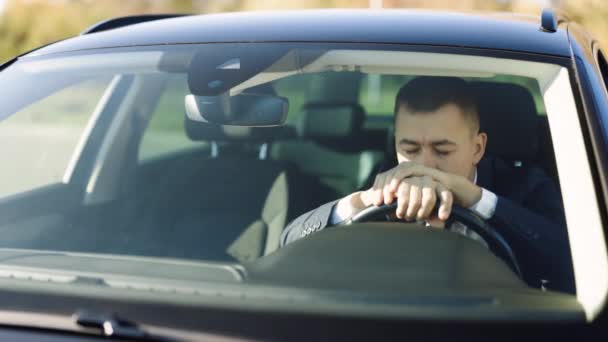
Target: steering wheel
point(491, 236)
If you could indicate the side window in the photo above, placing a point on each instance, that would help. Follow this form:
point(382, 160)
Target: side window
point(601, 60)
point(165, 133)
point(39, 141)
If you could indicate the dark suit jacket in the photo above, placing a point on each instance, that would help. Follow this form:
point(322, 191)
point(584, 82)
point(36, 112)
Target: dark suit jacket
point(528, 214)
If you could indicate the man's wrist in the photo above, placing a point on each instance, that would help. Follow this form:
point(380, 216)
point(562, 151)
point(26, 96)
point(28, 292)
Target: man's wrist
point(466, 193)
point(356, 202)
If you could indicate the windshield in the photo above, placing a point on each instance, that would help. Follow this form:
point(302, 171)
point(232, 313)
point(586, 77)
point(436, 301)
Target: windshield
point(154, 167)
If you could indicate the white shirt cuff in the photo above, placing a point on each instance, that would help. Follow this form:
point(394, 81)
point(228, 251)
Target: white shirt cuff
point(486, 206)
point(341, 211)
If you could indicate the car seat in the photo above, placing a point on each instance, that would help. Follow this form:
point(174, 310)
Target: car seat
point(231, 206)
point(516, 132)
point(331, 145)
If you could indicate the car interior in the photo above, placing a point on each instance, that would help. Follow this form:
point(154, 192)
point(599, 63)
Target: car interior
point(273, 175)
point(329, 148)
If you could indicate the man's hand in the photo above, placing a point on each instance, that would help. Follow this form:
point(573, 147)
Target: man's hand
point(417, 189)
point(388, 186)
point(416, 198)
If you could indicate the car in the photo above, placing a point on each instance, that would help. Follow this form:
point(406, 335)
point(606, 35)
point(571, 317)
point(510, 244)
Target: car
point(152, 163)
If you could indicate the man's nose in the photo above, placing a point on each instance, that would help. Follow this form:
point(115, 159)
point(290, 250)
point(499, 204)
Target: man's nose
point(428, 159)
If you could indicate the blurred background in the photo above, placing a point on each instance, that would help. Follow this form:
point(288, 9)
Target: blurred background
point(26, 24)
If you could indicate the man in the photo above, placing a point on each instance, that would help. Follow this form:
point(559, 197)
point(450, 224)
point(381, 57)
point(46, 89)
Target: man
point(440, 153)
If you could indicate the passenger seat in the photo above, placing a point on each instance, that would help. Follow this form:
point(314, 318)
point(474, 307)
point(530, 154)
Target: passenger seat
point(231, 206)
point(331, 145)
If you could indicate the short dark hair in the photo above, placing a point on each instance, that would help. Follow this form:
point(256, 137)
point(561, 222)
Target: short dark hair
point(429, 93)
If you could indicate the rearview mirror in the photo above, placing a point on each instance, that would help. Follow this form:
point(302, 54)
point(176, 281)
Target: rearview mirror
point(238, 110)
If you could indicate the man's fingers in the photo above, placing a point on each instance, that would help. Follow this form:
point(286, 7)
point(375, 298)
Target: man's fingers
point(377, 189)
point(387, 194)
point(429, 198)
point(446, 201)
point(389, 181)
point(415, 199)
point(367, 197)
point(404, 170)
point(403, 198)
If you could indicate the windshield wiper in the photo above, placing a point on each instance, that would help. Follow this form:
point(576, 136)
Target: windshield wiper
point(111, 325)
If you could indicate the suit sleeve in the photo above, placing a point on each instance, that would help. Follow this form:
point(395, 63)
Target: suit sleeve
point(310, 222)
point(536, 230)
point(319, 219)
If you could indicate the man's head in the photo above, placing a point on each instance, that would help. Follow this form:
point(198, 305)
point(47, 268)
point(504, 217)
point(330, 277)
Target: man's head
point(437, 125)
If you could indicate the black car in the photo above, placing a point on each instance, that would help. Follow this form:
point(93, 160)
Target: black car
point(152, 163)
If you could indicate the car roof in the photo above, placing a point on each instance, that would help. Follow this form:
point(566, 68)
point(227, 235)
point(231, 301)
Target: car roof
point(500, 31)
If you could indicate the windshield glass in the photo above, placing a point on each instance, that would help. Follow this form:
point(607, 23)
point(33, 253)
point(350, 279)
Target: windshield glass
point(117, 167)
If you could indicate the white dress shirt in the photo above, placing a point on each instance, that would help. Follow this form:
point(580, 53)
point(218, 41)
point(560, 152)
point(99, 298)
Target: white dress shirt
point(486, 205)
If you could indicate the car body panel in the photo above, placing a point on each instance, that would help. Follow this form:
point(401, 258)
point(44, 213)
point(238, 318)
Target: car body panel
point(499, 32)
point(594, 106)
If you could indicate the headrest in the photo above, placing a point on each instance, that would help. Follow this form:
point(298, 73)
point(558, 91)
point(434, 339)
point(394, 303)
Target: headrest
point(330, 120)
point(508, 116)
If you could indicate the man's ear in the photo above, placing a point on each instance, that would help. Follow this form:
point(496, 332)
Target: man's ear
point(479, 142)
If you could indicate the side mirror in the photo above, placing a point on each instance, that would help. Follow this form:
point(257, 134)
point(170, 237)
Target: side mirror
point(238, 110)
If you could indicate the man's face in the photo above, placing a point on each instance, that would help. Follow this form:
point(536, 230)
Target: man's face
point(444, 139)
